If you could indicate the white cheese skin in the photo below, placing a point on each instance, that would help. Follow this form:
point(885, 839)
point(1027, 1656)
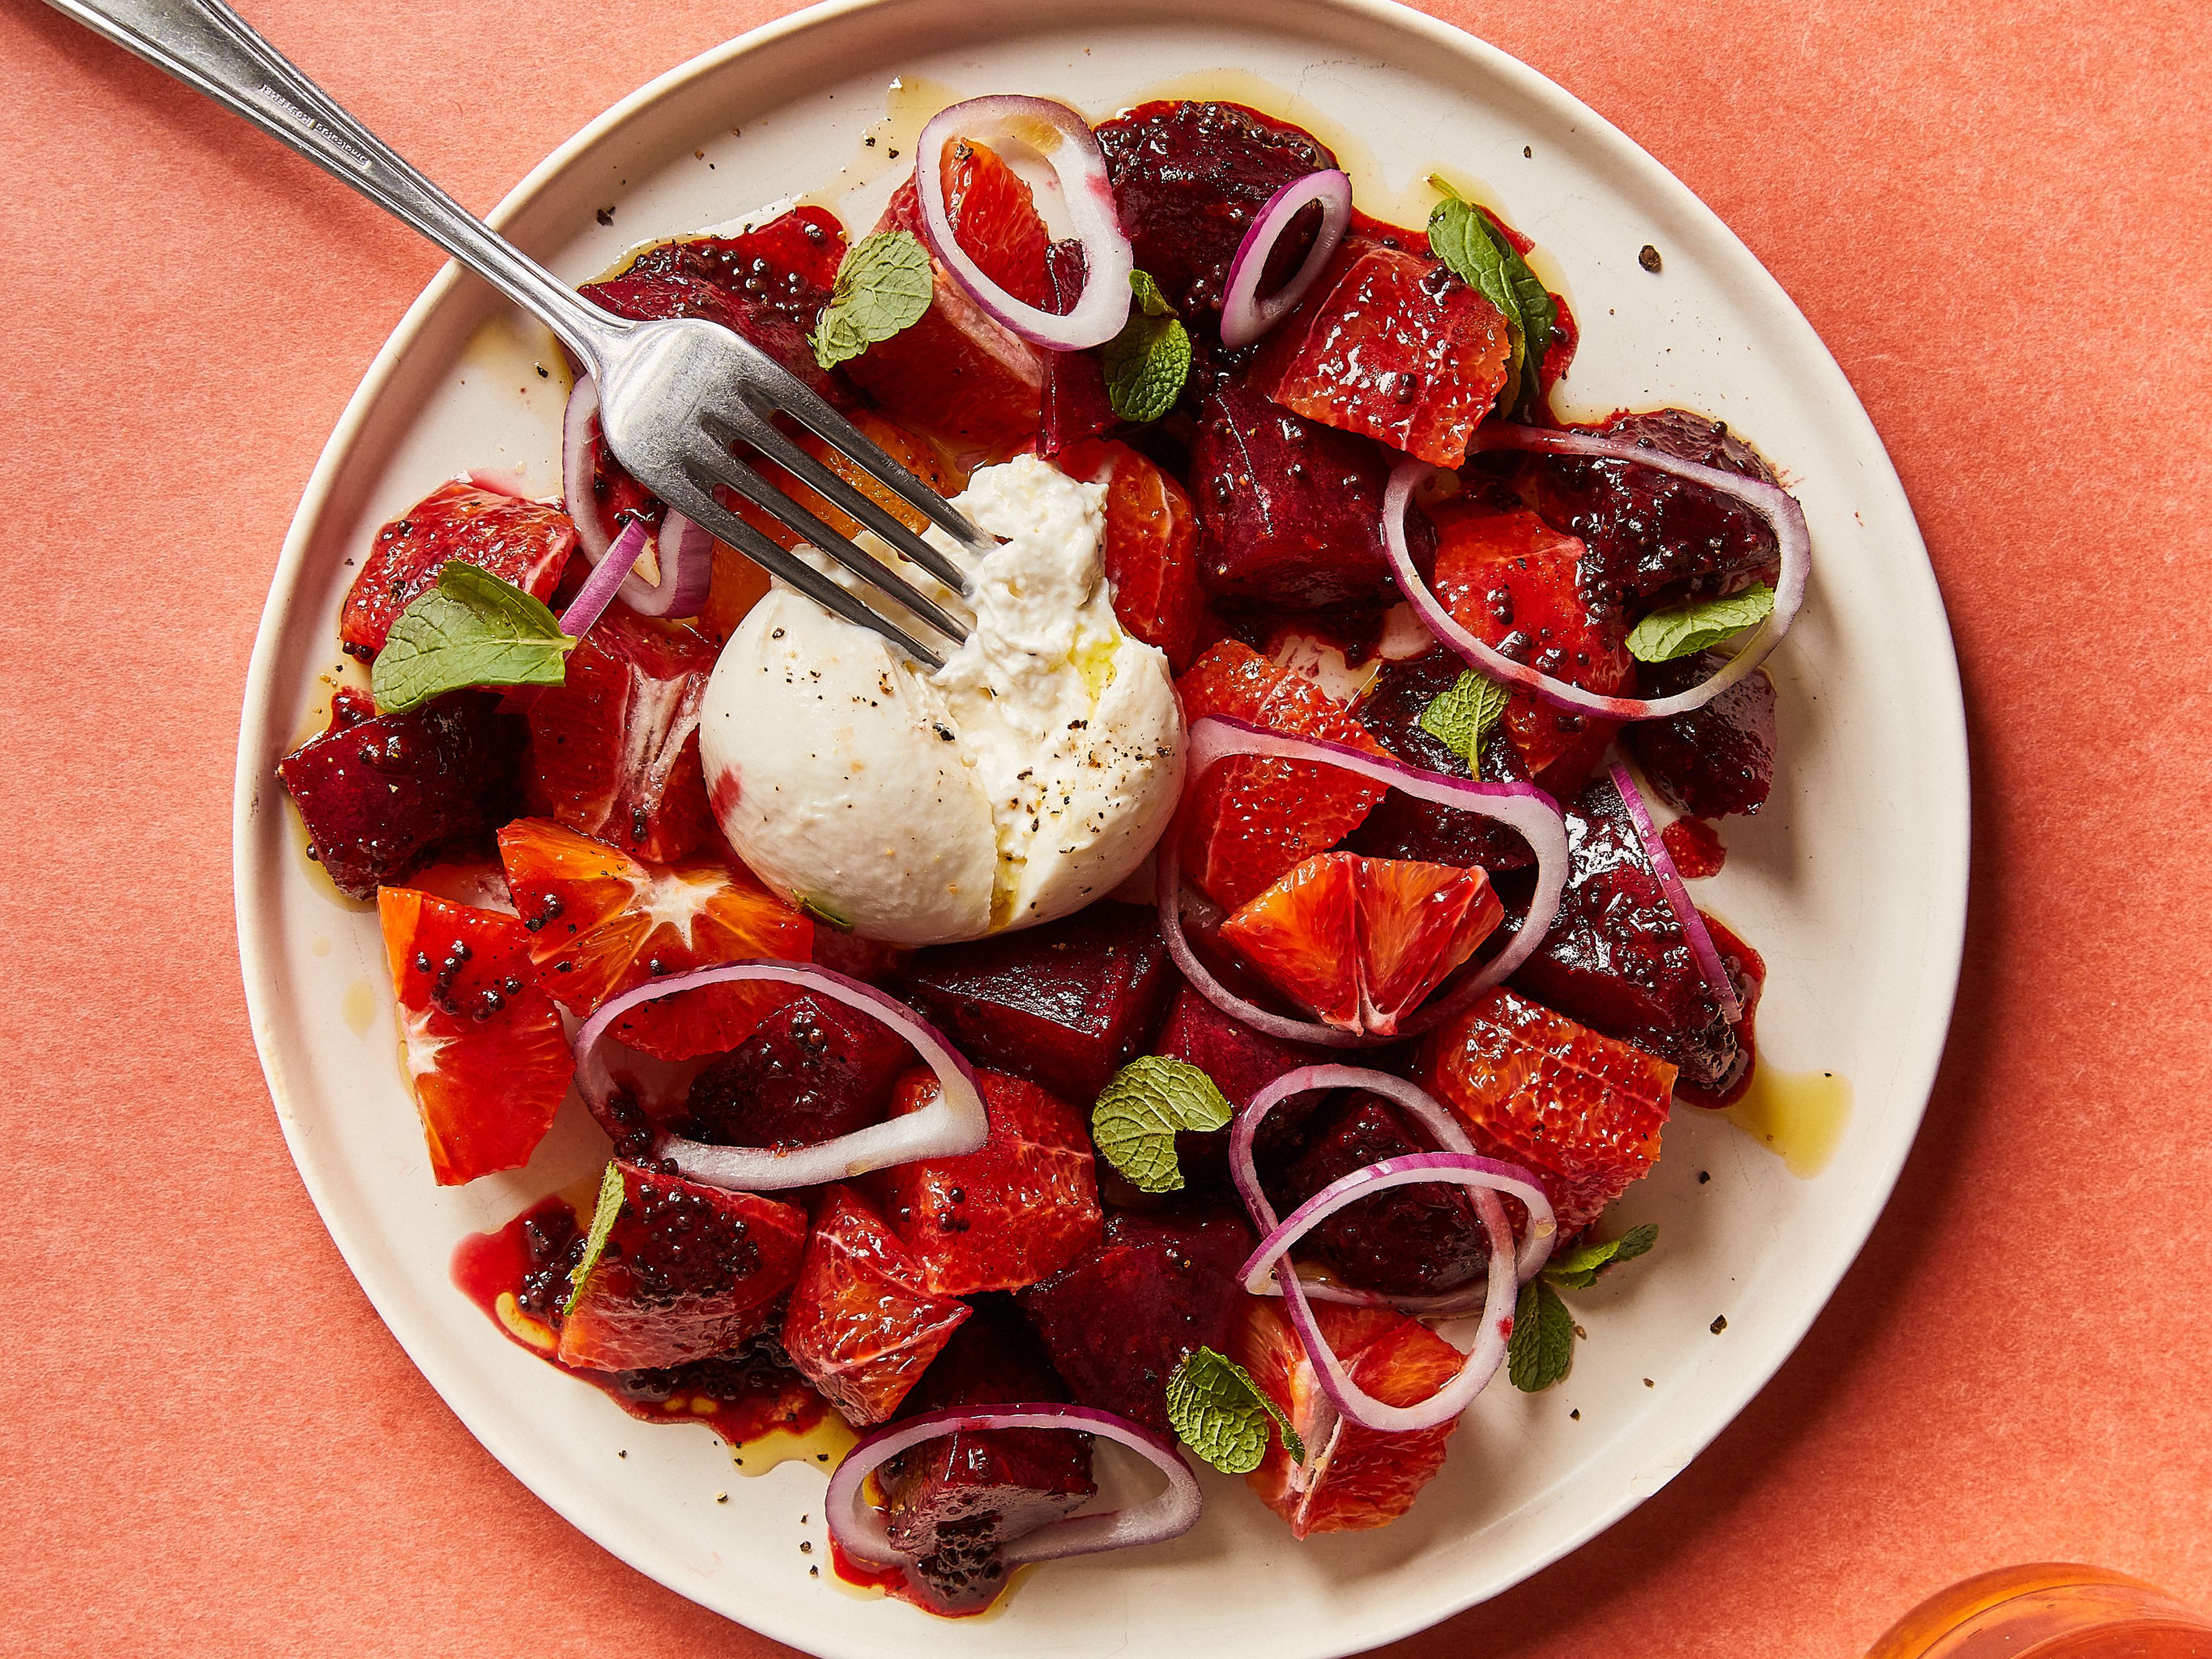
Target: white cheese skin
point(1029, 776)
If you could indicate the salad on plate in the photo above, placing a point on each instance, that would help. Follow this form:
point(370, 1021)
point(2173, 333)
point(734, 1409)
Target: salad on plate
point(1214, 1013)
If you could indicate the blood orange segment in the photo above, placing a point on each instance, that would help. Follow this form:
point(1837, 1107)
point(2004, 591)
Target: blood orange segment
point(602, 922)
point(525, 543)
point(1152, 546)
point(1248, 820)
point(614, 750)
point(1020, 1208)
point(1361, 941)
point(1581, 1110)
point(955, 372)
point(484, 1051)
point(1515, 583)
point(1392, 346)
point(994, 219)
point(1354, 1479)
point(862, 1326)
point(688, 1271)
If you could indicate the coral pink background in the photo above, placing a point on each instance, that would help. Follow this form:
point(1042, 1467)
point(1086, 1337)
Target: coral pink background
point(1994, 212)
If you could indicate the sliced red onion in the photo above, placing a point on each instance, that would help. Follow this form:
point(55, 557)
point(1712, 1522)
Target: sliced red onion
point(1770, 502)
point(1702, 948)
point(683, 552)
point(1245, 315)
point(1442, 1122)
point(858, 1525)
point(598, 591)
point(1065, 140)
point(1491, 1334)
point(952, 1125)
point(1521, 806)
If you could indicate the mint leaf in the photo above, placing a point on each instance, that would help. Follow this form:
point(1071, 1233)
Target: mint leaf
point(1686, 629)
point(1478, 250)
point(1542, 1350)
point(1222, 1414)
point(1137, 1114)
point(1147, 362)
point(1460, 715)
point(1540, 313)
point(1578, 1269)
point(472, 629)
point(883, 286)
point(603, 1223)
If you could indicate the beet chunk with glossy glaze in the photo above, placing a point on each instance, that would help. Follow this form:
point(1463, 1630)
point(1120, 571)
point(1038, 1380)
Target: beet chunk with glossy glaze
point(1292, 510)
point(1241, 1062)
point(1117, 1320)
point(1616, 958)
point(1652, 538)
point(952, 1501)
point(382, 793)
point(1410, 1241)
point(810, 1071)
point(1402, 826)
point(1713, 761)
point(1064, 1005)
point(1188, 179)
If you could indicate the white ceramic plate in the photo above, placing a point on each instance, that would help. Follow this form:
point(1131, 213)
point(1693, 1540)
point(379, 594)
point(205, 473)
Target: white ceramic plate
point(1852, 883)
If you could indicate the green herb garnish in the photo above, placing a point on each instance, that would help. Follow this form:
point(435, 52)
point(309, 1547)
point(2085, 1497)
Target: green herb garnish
point(1223, 1415)
point(1148, 361)
point(882, 287)
point(1477, 250)
point(472, 629)
point(1683, 630)
point(1542, 1350)
point(1458, 718)
point(1138, 1113)
point(603, 1223)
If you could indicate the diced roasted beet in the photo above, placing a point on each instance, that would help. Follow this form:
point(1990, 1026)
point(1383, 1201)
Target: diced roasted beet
point(955, 372)
point(524, 544)
point(812, 1070)
point(1389, 344)
point(1695, 847)
point(1293, 509)
point(861, 1326)
point(614, 749)
point(1074, 401)
point(1065, 1005)
point(1654, 538)
point(1241, 1062)
point(688, 1271)
point(1188, 177)
point(789, 264)
point(1616, 958)
point(1019, 1209)
point(1581, 1110)
point(1715, 760)
point(952, 1501)
point(1402, 826)
point(766, 323)
point(1515, 583)
point(1410, 1241)
point(382, 793)
point(1118, 1320)
point(1746, 971)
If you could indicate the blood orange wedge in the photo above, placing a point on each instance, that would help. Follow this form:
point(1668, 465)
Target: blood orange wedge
point(614, 749)
point(1353, 1477)
point(602, 921)
point(861, 1326)
point(1581, 1110)
point(994, 219)
point(522, 543)
point(683, 1271)
point(1509, 576)
point(1022, 1208)
point(1361, 941)
point(1248, 820)
point(1152, 546)
point(484, 1051)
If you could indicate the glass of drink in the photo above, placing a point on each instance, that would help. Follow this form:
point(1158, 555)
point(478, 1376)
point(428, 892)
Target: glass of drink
point(2049, 1610)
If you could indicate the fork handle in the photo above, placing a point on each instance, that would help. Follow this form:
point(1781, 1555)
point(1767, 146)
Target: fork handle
point(207, 45)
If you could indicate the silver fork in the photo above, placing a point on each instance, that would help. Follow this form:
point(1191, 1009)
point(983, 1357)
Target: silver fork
point(674, 396)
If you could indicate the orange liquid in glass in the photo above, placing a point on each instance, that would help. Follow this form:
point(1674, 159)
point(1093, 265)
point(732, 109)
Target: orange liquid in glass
point(2049, 1610)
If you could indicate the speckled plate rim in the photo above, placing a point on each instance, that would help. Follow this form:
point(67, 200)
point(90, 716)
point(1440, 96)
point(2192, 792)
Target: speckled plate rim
point(261, 736)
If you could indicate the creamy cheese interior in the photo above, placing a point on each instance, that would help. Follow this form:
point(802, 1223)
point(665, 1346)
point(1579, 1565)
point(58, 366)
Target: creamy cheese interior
point(1027, 777)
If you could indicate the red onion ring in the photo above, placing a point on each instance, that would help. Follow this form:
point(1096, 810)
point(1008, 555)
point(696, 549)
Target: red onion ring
point(1702, 948)
point(1504, 1286)
point(1065, 140)
point(1245, 315)
point(684, 552)
point(598, 591)
point(952, 1125)
point(858, 1525)
point(1770, 502)
point(1521, 806)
